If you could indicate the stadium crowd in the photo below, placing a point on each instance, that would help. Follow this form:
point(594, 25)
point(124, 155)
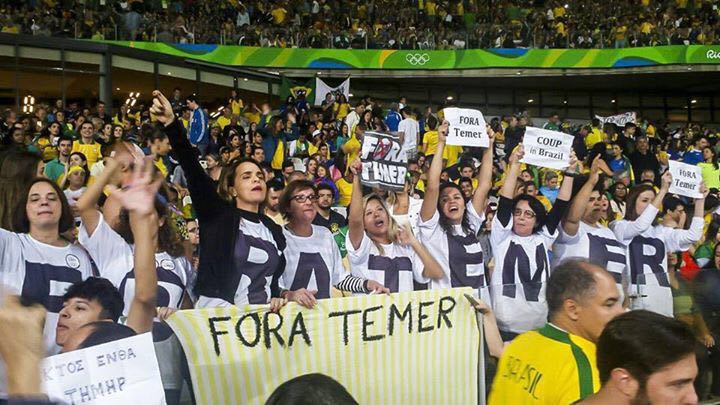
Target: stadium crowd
point(162, 193)
point(412, 24)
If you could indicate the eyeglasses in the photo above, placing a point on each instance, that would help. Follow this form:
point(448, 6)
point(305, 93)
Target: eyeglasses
point(525, 213)
point(301, 198)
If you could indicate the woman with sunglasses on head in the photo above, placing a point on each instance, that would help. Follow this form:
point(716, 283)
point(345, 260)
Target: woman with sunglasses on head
point(521, 238)
point(380, 250)
point(648, 244)
point(313, 264)
point(449, 225)
point(240, 250)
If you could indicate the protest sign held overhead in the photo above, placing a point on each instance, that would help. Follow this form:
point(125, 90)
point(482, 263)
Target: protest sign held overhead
point(547, 148)
point(384, 164)
point(373, 345)
point(619, 119)
point(120, 372)
point(467, 127)
point(686, 179)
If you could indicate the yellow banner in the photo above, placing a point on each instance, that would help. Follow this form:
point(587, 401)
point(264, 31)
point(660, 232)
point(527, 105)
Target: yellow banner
point(408, 348)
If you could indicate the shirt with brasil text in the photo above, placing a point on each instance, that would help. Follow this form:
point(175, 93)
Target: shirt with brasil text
point(545, 366)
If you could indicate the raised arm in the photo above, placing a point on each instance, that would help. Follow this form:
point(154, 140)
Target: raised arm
point(87, 204)
point(571, 223)
point(513, 171)
point(138, 198)
point(563, 198)
point(630, 229)
point(485, 175)
point(206, 200)
point(356, 226)
point(432, 186)
point(507, 192)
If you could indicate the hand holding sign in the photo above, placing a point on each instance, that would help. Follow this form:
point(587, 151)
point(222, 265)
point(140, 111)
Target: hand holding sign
point(517, 154)
point(443, 131)
point(546, 148)
point(686, 179)
point(383, 163)
point(467, 127)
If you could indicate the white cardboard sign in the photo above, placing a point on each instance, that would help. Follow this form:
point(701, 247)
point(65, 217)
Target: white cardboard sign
point(686, 179)
point(121, 372)
point(467, 127)
point(547, 148)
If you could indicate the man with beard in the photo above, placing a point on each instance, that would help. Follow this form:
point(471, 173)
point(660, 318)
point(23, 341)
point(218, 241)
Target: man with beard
point(325, 216)
point(274, 191)
point(645, 358)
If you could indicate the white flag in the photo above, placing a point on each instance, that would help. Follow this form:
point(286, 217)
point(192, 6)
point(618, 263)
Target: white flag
point(322, 89)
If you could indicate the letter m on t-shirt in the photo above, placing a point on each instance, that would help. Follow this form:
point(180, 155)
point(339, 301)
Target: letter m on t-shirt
point(516, 261)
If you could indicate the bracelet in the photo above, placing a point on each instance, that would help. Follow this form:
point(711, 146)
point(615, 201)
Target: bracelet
point(570, 174)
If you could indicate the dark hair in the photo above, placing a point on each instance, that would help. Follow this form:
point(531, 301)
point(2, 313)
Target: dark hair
point(535, 205)
point(642, 342)
point(714, 156)
point(631, 199)
point(275, 184)
point(311, 389)
point(572, 279)
point(286, 197)
point(192, 97)
point(227, 176)
point(100, 290)
point(326, 187)
point(21, 223)
point(465, 180)
point(18, 169)
point(443, 221)
point(169, 240)
point(105, 332)
point(670, 203)
point(432, 122)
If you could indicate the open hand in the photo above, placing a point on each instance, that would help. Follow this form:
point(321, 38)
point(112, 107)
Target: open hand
point(139, 196)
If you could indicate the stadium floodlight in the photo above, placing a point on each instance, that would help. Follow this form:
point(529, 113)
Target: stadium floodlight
point(245, 79)
point(530, 101)
point(693, 101)
point(567, 5)
point(564, 101)
point(449, 98)
point(350, 94)
point(117, 88)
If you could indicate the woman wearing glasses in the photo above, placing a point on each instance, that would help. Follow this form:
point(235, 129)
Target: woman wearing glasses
point(521, 237)
point(313, 264)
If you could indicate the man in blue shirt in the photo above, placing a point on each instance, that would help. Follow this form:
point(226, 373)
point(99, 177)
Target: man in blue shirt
point(695, 155)
point(198, 126)
point(393, 118)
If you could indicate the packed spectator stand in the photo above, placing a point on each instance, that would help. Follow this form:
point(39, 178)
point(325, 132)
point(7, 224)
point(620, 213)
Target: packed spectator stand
point(421, 24)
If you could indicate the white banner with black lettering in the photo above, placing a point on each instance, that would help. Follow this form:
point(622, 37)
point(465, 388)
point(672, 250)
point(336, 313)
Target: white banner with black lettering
point(547, 148)
point(619, 119)
point(121, 372)
point(384, 165)
point(322, 90)
point(686, 179)
point(467, 127)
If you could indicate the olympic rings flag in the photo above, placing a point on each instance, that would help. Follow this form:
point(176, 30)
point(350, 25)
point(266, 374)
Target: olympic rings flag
point(418, 347)
point(416, 59)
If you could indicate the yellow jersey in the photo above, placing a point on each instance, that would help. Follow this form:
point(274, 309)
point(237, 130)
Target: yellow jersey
point(345, 189)
point(545, 366)
point(352, 149)
point(223, 122)
point(90, 150)
point(431, 140)
point(593, 137)
point(451, 154)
